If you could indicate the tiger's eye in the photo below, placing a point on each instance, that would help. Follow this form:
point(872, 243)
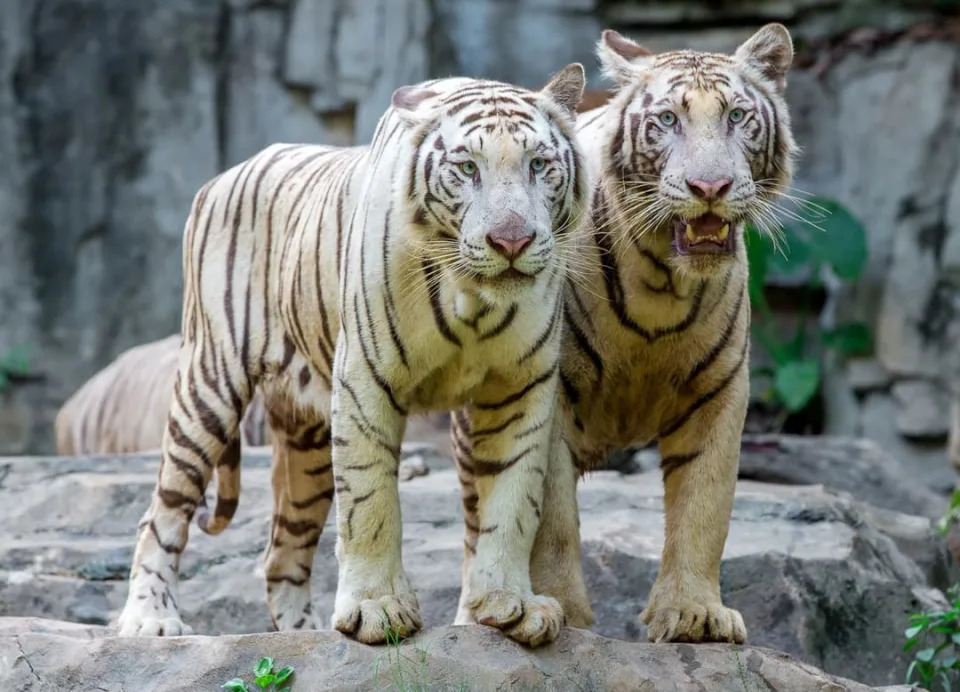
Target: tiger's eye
point(538, 164)
point(668, 118)
point(736, 115)
point(469, 168)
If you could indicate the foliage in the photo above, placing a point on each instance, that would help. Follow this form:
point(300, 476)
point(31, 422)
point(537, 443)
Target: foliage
point(408, 673)
point(821, 235)
point(935, 637)
point(16, 361)
point(263, 677)
point(952, 515)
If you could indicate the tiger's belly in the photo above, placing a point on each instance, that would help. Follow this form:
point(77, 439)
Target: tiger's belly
point(626, 408)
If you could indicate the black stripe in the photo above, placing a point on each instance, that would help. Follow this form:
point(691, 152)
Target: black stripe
point(582, 342)
point(504, 323)
point(674, 462)
point(542, 339)
point(492, 467)
point(708, 397)
point(517, 396)
point(433, 289)
point(493, 430)
point(714, 352)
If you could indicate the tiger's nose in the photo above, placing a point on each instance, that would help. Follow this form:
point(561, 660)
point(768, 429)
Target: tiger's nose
point(709, 189)
point(510, 238)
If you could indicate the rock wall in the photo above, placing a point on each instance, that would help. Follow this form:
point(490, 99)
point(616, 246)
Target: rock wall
point(113, 113)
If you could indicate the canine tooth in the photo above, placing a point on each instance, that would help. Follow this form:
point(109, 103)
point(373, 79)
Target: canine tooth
point(724, 231)
point(690, 234)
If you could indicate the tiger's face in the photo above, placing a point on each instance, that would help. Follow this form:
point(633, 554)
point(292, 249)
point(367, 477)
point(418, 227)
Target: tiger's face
point(704, 142)
point(496, 183)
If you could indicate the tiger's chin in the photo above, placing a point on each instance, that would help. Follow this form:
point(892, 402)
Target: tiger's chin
point(705, 244)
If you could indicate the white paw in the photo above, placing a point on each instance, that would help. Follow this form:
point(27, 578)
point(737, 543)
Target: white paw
point(151, 608)
point(526, 618)
point(135, 625)
point(375, 619)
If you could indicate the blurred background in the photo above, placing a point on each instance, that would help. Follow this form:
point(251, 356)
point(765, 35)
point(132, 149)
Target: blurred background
point(113, 113)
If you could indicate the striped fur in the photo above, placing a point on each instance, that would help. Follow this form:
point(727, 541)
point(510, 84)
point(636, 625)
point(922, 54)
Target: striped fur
point(123, 408)
point(656, 340)
point(354, 287)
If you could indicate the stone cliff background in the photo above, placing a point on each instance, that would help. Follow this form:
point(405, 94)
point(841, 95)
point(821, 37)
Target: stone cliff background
point(112, 114)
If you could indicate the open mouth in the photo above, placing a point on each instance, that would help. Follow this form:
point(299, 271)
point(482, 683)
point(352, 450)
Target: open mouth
point(704, 235)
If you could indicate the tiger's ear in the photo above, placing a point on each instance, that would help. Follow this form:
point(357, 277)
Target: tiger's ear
point(770, 52)
point(406, 101)
point(618, 56)
point(565, 89)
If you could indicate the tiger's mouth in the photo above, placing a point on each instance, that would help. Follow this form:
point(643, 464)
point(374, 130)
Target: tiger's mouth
point(708, 234)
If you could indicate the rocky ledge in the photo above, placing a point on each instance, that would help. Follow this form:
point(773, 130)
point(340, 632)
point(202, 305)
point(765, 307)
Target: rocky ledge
point(818, 574)
point(38, 655)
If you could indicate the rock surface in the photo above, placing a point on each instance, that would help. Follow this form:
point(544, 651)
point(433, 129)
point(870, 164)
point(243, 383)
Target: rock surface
point(816, 574)
point(472, 658)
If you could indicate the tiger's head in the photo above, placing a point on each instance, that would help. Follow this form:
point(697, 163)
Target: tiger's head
point(703, 143)
point(495, 184)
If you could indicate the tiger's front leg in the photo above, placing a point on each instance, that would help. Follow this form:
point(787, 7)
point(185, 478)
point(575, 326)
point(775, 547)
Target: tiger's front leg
point(699, 458)
point(374, 599)
point(510, 439)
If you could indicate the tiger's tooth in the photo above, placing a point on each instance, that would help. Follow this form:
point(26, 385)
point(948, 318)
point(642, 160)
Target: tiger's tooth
point(724, 231)
point(690, 234)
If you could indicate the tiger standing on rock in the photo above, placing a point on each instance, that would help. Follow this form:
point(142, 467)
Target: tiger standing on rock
point(423, 272)
point(692, 147)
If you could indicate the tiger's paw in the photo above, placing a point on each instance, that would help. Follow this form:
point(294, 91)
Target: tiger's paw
point(133, 626)
point(693, 621)
point(380, 619)
point(151, 609)
point(528, 619)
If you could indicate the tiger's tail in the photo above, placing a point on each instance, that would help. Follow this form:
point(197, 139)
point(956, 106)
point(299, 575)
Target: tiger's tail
point(228, 493)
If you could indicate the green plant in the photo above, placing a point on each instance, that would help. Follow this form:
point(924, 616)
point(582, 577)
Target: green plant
point(936, 638)
point(264, 678)
point(408, 673)
point(14, 362)
point(820, 235)
point(952, 515)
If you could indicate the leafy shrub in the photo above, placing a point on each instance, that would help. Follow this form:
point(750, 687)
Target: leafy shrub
point(820, 235)
point(264, 678)
point(936, 638)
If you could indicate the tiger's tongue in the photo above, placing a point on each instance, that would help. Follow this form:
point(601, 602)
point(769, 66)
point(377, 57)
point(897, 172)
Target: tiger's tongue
point(707, 226)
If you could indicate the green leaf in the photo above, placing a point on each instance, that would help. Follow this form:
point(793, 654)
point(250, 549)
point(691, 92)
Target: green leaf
point(912, 632)
point(851, 339)
point(283, 674)
point(264, 681)
point(925, 655)
point(17, 360)
point(796, 383)
point(264, 666)
point(235, 685)
point(956, 638)
point(910, 669)
point(842, 243)
point(945, 680)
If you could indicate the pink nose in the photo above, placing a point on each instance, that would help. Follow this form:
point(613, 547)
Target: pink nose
point(710, 189)
point(509, 247)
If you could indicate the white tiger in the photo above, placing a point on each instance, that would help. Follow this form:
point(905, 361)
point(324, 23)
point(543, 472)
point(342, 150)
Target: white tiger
point(441, 250)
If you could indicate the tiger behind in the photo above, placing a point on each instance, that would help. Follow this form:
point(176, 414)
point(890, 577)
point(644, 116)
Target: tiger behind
point(124, 407)
point(692, 147)
point(421, 272)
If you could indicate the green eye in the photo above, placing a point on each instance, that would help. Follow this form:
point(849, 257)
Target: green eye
point(736, 115)
point(538, 164)
point(469, 168)
point(668, 118)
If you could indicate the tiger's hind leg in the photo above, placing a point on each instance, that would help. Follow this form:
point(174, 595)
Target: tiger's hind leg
point(201, 433)
point(302, 494)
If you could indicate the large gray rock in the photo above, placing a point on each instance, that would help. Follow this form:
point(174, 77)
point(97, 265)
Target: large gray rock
point(816, 574)
point(40, 657)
